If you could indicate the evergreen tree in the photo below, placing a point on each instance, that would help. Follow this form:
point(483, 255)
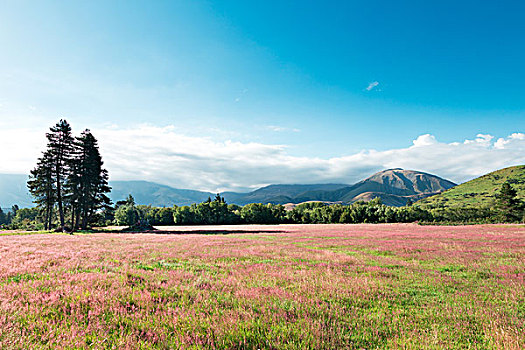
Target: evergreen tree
point(89, 180)
point(219, 199)
point(73, 186)
point(127, 214)
point(41, 185)
point(70, 176)
point(60, 147)
point(130, 200)
point(509, 205)
point(3, 217)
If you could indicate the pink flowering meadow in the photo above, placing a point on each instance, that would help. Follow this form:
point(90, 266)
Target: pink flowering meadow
point(266, 287)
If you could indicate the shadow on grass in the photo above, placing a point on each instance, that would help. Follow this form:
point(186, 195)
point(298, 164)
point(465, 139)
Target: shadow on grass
point(154, 231)
point(201, 232)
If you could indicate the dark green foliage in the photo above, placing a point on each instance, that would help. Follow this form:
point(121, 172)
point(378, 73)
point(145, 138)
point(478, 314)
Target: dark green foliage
point(27, 219)
point(141, 225)
point(128, 215)
point(69, 178)
point(88, 181)
point(60, 148)
point(3, 217)
point(104, 217)
point(215, 212)
point(257, 213)
point(360, 212)
point(42, 185)
point(509, 206)
point(463, 215)
point(48, 181)
point(163, 216)
point(155, 215)
point(321, 213)
point(186, 215)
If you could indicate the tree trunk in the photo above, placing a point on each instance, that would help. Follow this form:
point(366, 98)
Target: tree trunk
point(45, 217)
point(77, 219)
point(59, 198)
point(85, 218)
point(49, 216)
point(73, 227)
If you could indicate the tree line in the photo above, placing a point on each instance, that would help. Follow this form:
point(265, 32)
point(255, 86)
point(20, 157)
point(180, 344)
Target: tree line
point(507, 208)
point(69, 183)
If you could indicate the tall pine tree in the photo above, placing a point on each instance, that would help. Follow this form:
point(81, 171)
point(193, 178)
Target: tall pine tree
point(41, 184)
point(3, 217)
point(70, 176)
point(508, 203)
point(92, 179)
point(60, 147)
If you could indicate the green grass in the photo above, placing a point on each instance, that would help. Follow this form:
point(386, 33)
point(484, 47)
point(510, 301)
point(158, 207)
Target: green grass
point(405, 287)
point(479, 192)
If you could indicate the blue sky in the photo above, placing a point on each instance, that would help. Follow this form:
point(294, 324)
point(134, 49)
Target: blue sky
point(316, 80)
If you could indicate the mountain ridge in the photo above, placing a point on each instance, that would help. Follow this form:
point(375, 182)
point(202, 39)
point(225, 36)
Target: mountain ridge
point(394, 186)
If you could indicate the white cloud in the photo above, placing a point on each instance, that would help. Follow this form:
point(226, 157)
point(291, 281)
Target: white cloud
point(424, 140)
point(277, 128)
point(372, 85)
point(513, 140)
point(163, 155)
point(20, 148)
point(481, 139)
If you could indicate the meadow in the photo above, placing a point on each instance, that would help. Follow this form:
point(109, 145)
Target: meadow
point(266, 287)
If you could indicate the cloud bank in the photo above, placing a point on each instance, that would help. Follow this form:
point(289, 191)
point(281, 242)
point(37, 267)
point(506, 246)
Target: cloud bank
point(160, 154)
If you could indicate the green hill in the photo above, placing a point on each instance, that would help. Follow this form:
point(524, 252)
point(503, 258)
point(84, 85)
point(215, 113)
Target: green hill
point(480, 191)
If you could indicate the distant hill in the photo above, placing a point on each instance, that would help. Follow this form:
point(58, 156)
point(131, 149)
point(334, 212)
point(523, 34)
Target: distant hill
point(480, 191)
point(154, 194)
point(281, 194)
point(13, 190)
point(394, 187)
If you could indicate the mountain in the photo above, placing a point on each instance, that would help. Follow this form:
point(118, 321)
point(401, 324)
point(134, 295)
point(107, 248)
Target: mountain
point(393, 186)
point(152, 193)
point(13, 190)
point(281, 194)
point(480, 191)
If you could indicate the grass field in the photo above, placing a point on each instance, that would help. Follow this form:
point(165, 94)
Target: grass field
point(480, 192)
point(266, 287)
